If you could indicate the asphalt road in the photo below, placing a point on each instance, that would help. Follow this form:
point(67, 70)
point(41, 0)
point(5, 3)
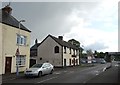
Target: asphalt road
point(111, 75)
point(68, 75)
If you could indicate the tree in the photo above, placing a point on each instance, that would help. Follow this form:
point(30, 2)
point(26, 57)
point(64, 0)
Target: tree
point(100, 55)
point(95, 53)
point(89, 52)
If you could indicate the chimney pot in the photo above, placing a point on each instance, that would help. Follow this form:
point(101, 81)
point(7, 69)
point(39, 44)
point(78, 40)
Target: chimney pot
point(60, 37)
point(7, 9)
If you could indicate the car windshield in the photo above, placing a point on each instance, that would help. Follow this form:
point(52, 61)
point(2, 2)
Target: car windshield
point(37, 65)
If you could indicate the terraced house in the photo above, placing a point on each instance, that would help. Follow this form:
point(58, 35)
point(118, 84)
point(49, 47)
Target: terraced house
point(13, 35)
point(58, 52)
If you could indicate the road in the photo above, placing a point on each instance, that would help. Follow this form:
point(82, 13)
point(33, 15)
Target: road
point(71, 75)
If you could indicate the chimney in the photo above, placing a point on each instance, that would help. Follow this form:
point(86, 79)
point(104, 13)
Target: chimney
point(60, 37)
point(36, 41)
point(7, 9)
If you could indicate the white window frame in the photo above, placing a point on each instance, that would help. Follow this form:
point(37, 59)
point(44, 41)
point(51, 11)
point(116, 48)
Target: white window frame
point(21, 39)
point(21, 60)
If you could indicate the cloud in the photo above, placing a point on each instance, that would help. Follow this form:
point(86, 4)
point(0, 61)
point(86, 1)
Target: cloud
point(96, 46)
point(94, 24)
point(96, 29)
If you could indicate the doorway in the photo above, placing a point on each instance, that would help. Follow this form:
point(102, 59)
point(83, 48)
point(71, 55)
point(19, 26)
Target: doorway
point(64, 62)
point(8, 64)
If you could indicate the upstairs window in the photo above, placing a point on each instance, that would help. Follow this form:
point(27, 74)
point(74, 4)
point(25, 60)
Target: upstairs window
point(56, 49)
point(73, 51)
point(70, 50)
point(64, 49)
point(21, 40)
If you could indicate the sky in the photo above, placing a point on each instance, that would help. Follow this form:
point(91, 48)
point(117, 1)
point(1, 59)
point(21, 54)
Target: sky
point(93, 23)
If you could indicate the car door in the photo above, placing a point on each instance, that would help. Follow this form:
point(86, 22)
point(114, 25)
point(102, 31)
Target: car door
point(48, 68)
point(44, 69)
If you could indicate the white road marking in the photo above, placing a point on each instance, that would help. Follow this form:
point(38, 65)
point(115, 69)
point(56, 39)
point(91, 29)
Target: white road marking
point(116, 65)
point(64, 71)
point(57, 73)
point(97, 74)
point(47, 79)
point(104, 69)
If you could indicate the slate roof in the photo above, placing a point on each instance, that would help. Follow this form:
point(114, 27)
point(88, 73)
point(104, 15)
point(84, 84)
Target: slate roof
point(8, 19)
point(60, 42)
point(35, 46)
point(63, 43)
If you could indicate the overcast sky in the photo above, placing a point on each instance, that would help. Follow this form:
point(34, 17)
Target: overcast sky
point(94, 24)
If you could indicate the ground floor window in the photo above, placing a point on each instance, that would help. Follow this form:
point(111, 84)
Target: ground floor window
point(21, 59)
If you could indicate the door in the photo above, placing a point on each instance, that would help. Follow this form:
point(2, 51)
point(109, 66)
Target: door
point(44, 69)
point(64, 62)
point(8, 64)
point(73, 61)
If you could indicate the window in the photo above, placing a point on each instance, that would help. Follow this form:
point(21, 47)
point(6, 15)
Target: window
point(70, 61)
point(76, 61)
point(73, 51)
point(70, 50)
point(56, 49)
point(64, 49)
point(21, 40)
point(20, 60)
point(77, 52)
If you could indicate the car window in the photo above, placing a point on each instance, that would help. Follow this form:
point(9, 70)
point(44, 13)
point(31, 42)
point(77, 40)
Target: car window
point(37, 65)
point(46, 65)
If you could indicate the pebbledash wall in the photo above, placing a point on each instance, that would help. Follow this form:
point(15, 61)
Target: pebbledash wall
point(9, 43)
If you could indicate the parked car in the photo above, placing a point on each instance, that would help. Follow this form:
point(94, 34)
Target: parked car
point(83, 61)
point(102, 61)
point(94, 61)
point(39, 70)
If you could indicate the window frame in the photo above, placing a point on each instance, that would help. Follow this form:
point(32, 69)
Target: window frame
point(56, 49)
point(21, 39)
point(21, 60)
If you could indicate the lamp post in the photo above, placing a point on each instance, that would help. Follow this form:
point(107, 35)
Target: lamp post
point(17, 52)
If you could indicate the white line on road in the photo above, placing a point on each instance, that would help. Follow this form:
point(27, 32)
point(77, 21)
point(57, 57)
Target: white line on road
point(47, 79)
point(57, 73)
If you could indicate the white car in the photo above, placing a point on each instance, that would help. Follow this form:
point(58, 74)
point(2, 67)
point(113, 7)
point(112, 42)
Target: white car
point(39, 69)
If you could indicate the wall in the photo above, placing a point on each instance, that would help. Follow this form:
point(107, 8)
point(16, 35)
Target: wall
point(0, 48)
point(46, 52)
point(10, 46)
point(68, 56)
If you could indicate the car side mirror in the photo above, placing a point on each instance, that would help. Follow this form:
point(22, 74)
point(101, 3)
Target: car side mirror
point(43, 67)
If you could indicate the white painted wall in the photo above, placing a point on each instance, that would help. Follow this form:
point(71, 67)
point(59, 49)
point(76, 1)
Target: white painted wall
point(68, 56)
point(10, 46)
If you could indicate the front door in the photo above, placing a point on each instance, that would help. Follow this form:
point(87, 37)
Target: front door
point(64, 62)
point(8, 64)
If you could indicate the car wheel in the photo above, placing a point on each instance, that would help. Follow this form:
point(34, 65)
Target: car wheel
point(39, 74)
point(51, 71)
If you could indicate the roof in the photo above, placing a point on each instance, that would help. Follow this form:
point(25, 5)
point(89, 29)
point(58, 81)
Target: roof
point(61, 42)
point(8, 19)
point(35, 46)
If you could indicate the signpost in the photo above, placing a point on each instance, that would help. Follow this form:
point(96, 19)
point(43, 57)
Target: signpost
point(17, 67)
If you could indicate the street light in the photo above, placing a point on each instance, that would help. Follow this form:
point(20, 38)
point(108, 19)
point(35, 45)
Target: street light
point(18, 53)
